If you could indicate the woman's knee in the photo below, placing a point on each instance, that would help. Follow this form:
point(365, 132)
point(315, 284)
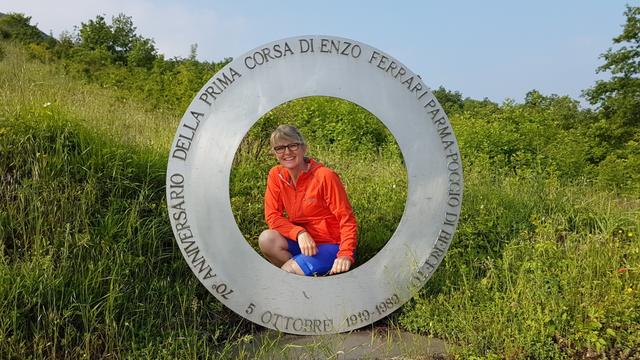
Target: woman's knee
point(269, 239)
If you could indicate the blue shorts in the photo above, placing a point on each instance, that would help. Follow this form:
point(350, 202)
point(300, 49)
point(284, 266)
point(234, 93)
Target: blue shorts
point(318, 264)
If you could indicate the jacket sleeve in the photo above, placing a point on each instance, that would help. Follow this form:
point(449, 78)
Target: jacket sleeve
point(274, 209)
point(336, 198)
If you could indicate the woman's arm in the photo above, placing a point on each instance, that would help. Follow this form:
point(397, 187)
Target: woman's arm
point(338, 202)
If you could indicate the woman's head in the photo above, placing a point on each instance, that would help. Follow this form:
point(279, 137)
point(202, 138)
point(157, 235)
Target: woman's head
point(289, 146)
point(286, 134)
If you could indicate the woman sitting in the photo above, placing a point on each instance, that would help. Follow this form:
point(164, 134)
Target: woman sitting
point(312, 229)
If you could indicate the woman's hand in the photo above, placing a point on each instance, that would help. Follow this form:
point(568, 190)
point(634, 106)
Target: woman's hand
point(307, 244)
point(340, 264)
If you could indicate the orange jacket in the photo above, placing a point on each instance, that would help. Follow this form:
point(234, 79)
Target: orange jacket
point(318, 204)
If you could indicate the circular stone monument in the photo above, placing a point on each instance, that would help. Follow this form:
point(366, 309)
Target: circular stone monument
point(200, 163)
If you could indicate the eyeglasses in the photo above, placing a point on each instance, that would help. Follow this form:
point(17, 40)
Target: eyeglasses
point(292, 147)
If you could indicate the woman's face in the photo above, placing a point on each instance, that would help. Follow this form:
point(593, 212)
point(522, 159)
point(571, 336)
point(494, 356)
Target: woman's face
point(290, 154)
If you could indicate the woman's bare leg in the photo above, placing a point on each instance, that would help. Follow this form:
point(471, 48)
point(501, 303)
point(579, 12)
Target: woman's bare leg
point(276, 248)
point(291, 266)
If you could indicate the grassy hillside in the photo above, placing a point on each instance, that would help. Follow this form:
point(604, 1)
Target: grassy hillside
point(545, 264)
point(88, 265)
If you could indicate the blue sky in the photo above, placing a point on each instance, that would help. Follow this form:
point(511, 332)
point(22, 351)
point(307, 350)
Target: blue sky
point(494, 48)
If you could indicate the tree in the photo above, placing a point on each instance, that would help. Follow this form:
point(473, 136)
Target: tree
point(451, 101)
point(123, 36)
point(119, 39)
point(96, 34)
point(66, 42)
point(18, 27)
point(193, 52)
point(143, 53)
point(619, 97)
point(566, 110)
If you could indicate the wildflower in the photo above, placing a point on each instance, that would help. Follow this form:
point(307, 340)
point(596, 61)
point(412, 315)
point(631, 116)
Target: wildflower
point(47, 104)
point(622, 270)
point(628, 290)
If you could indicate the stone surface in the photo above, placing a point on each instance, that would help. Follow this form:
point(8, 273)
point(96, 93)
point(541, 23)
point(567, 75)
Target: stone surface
point(202, 155)
point(376, 343)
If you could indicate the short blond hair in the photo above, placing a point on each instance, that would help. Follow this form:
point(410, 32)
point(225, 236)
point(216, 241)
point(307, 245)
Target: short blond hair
point(287, 133)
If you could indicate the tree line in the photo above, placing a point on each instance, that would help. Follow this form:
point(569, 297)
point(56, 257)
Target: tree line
point(549, 133)
point(112, 54)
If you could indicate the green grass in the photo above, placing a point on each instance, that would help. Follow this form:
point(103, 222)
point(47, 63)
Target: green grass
point(538, 271)
point(89, 267)
point(542, 266)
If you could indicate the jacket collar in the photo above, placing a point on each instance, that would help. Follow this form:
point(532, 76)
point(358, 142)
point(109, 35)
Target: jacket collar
point(286, 177)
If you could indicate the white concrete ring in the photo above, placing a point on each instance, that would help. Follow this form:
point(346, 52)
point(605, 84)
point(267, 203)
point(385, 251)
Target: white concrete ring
point(200, 164)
